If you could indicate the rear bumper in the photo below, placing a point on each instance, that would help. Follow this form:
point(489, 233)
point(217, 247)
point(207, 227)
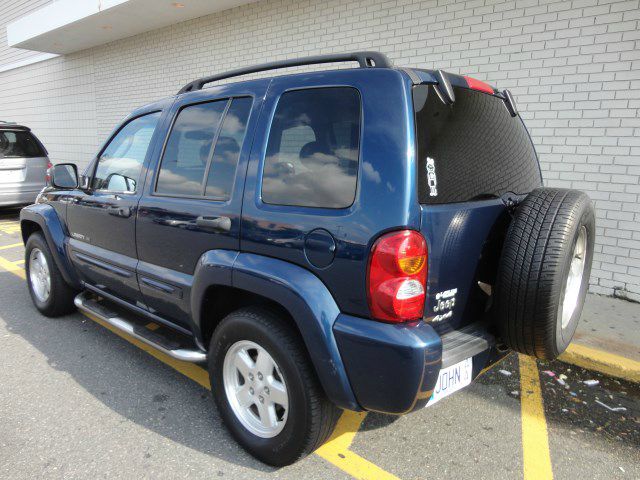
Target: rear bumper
point(17, 197)
point(394, 368)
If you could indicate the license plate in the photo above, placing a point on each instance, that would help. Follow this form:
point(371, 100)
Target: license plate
point(11, 176)
point(452, 379)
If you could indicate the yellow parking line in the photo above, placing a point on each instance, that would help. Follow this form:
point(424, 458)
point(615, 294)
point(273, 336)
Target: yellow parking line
point(13, 245)
point(535, 440)
point(603, 362)
point(12, 268)
point(335, 450)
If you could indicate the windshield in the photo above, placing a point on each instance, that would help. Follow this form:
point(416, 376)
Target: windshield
point(19, 144)
point(471, 150)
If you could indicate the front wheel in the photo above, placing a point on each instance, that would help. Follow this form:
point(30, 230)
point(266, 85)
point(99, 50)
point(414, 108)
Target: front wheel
point(50, 293)
point(265, 388)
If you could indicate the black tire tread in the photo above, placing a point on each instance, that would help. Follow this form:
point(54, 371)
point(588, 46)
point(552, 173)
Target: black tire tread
point(323, 413)
point(62, 294)
point(529, 280)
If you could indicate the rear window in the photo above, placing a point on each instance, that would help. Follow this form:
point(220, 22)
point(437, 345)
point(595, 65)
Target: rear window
point(19, 144)
point(471, 150)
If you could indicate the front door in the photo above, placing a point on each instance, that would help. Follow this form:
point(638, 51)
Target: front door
point(192, 202)
point(101, 219)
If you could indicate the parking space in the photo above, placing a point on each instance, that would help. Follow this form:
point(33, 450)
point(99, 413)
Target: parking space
point(78, 401)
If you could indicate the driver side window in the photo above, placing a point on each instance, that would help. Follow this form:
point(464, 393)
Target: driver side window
point(121, 162)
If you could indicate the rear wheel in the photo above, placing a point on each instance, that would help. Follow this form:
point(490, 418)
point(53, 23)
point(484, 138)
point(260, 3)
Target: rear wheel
point(49, 292)
point(265, 388)
point(543, 275)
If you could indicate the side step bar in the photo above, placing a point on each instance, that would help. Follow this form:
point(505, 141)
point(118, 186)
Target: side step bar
point(86, 302)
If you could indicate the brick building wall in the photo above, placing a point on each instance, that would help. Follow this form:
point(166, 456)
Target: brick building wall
point(573, 66)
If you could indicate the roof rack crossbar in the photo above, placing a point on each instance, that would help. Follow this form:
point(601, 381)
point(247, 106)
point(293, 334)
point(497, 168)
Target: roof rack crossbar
point(364, 59)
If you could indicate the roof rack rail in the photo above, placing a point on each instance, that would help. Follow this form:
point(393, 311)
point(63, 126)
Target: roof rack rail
point(365, 59)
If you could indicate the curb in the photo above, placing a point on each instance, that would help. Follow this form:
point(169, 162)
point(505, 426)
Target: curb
point(603, 362)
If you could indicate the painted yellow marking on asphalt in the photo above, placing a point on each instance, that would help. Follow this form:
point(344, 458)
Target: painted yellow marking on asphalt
point(603, 362)
point(152, 326)
point(535, 440)
point(19, 262)
point(335, 450)
point(9, 228)
point(12, 268)
point(13, 245)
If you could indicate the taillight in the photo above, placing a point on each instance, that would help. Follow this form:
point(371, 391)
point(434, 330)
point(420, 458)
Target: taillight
point(397, 277)
point(47, 176)
point(479, 85)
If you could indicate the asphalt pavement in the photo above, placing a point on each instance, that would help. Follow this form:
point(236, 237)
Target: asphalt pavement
point(79, 401)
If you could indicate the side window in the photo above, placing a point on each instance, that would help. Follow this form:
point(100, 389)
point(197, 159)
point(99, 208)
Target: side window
point(120, 164)
point(188, 149)
point(313, 149)
point(222, 171)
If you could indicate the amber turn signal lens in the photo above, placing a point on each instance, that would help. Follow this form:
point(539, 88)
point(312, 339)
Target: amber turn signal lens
point(412, 265)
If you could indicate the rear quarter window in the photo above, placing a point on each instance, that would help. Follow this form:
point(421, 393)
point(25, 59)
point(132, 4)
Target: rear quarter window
point(313, 149)
point(471, 150)
point(19, 144)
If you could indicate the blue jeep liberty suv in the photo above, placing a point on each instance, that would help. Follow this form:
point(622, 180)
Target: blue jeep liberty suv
point(368, 238)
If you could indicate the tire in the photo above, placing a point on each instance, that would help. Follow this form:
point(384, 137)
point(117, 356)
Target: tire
point(310, 417)
point(59, 299)
point(548, 228)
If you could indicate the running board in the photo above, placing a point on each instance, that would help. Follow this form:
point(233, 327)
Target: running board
point(88, 303)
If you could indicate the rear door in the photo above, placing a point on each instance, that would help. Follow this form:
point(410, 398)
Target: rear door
point(101, 219)
point(474, 159)
point(193, 199)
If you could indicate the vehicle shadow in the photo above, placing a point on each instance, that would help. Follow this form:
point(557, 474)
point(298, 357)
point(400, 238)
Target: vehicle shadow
point(124, 378)
point(10, 213)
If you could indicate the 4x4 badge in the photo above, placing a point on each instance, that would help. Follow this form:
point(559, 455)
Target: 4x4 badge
point(431, 177)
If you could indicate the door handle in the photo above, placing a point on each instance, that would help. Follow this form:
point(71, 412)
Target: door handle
point(219, 224)
point(124, 212)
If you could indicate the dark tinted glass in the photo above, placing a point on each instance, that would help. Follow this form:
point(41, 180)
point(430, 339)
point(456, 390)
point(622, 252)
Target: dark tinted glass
point(19, 144)
point(188, 149)
point(474, 148)
point(222, 171)
point(120, 164)
point(312, 154)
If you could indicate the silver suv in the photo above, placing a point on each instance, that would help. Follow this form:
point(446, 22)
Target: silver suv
point(23, 165)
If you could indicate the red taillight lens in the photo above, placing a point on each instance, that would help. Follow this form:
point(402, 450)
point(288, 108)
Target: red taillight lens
point(397, 276)
point(479, 85)
point(47, 176)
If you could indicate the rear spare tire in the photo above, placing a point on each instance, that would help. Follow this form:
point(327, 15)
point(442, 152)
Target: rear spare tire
point(544, 271)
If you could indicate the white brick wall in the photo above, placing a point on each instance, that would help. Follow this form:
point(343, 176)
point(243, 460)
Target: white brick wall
point(574, 67)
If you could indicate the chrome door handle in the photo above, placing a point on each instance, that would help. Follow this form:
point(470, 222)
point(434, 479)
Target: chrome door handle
point(219, 224)
point(124, 212)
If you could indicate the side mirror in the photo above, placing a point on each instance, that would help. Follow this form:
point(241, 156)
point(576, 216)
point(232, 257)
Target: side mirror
point(64, 175)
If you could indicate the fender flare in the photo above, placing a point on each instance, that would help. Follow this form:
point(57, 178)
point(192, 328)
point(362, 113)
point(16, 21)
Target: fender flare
point(46, 217)
point(296, 289)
